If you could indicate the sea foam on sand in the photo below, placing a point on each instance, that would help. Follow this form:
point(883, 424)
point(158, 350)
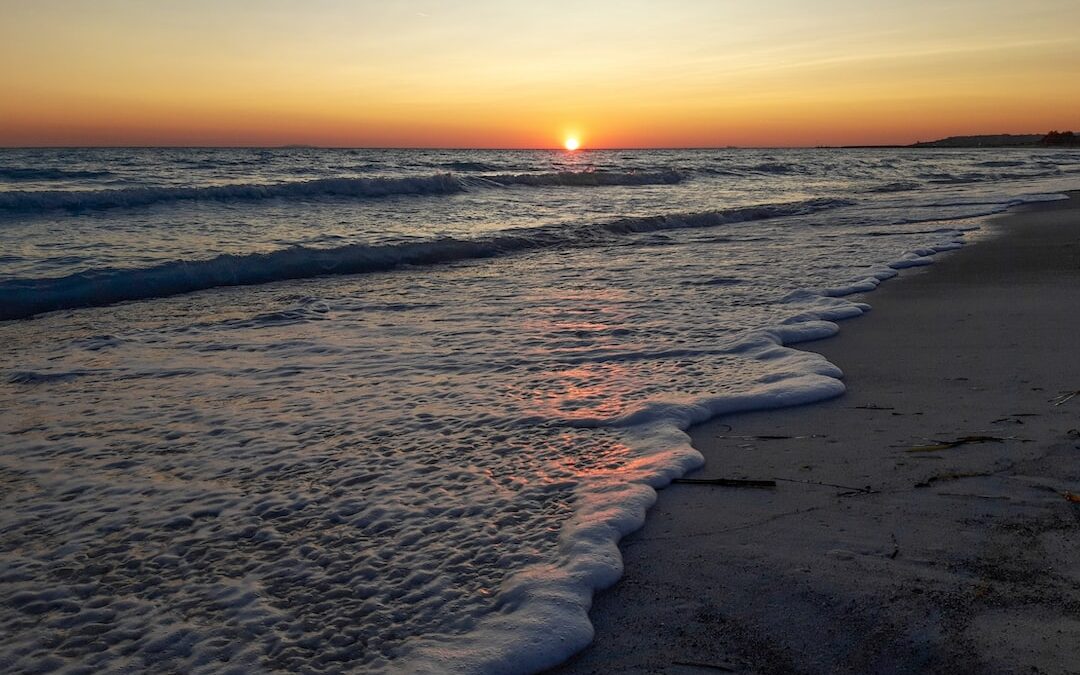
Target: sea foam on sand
point(884, 547)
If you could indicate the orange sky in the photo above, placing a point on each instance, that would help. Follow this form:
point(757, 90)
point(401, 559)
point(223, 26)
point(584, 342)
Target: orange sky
point(626, 73)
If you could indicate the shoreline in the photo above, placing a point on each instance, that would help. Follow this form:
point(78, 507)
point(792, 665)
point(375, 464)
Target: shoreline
point(958, 558)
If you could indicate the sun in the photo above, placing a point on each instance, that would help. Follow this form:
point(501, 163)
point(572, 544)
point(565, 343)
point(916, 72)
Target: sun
point(571, 143)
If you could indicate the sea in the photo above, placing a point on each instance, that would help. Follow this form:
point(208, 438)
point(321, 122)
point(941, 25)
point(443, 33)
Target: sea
point(329, 410)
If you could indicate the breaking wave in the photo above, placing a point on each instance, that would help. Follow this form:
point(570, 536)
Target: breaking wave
point(356, 188)
point(467, 166)
point(22, 298)
point(20, 174)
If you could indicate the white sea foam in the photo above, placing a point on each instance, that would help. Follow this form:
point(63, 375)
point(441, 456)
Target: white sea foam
point(355, 565)
point(550, 620)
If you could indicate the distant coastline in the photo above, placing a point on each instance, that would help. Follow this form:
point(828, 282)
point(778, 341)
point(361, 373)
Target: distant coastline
point(1054, 139)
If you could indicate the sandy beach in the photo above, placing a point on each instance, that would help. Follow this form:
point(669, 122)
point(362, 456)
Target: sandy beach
point(921, 522)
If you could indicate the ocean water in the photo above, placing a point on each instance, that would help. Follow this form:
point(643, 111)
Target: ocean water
point(308, 410)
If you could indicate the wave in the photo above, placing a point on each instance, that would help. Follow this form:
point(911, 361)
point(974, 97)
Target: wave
point(357, 188)
point(19, 174)
point(898, 186)
point(467, 166)
point(585, 178)
point(772, 167)
point(22, 298)
point(33, 377)
point(983, 177)
point(81, 200)
point(1002, 162)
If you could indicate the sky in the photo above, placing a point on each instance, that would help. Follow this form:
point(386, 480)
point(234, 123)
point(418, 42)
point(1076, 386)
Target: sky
point(487, 73)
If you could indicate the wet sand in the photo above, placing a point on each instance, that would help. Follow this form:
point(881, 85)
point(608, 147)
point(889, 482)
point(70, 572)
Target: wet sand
point(935, 557)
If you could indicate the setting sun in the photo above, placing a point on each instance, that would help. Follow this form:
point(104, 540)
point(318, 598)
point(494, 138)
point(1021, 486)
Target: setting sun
point(571, 144)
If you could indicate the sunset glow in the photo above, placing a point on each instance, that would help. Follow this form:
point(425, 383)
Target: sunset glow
point(489, 74)
point(571, 144)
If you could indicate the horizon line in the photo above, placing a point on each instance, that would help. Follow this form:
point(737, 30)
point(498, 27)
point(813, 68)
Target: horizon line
point(302, 146)
point(555, 148)
point(308, 146)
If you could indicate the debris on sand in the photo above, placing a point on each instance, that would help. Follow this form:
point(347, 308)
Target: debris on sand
point(964, 440)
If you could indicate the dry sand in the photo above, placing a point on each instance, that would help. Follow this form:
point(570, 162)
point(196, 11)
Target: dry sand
point(962, 559)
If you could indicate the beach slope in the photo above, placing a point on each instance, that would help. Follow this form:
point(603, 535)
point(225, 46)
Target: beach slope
point(922, 522)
